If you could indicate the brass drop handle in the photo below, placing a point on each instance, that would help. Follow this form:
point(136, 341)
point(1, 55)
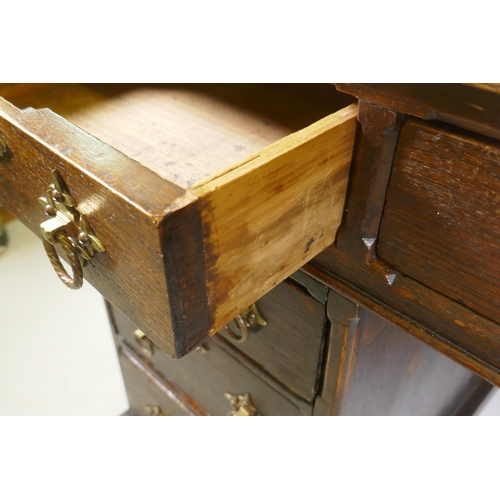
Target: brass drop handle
point(155, 411)
point(3, 148)
point(242, 406)
point(146, 345)
point(248, 318)
point(68, 228)
point(71, 251)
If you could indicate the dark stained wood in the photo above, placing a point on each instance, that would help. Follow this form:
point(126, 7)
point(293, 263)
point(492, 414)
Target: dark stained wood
point(341, 347)
point(16, 92)
point(426, 314)
point(313, 287)
point(382, 370)
point(130, 275)
point(249, 363)
point(206, 376)
point(446, 325)
point(147, 388)
point(182, 244)
point(376, 138)
point(289, 347)
point(473, 108)
point(216, 367)
point(287, 352)
point(441, 221)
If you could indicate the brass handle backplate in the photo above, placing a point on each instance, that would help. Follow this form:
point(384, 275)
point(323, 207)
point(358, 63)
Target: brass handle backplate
point(3, 148)
point(242, 406)
point(244, 321)
point(68, 228)
point(146, 345)
point(155, 411)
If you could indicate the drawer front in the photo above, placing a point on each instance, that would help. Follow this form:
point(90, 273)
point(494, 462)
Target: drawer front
point(289, 346)
point(175, 254)
point(149, 393)
point(441, 219)
point(207, 375)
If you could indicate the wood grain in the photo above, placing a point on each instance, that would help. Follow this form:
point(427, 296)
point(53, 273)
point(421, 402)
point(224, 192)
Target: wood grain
point(266, 217)
point(472, 341)
point(376, 139)
point(289, 347)
point(469, 107)
point(186, 133)
point(181, 263)
point(440, 223)
point(490, 87)
point(460, 333)
point(207, 377)
point(382, 370)
point(131, 271)
point(147, 387)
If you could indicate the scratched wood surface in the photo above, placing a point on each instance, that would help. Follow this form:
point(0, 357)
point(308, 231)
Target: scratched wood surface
point(376, 368)
point(188, 246)
point(272, 214)
point(353, 266)
point(449, 182)
point(99, 179)
point(471, 107)
point(149, 392)
point(186, 133)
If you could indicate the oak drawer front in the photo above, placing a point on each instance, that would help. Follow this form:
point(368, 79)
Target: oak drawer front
point(207, 374)
point(210, 373)
point(441, 219)
point(200, 188)
point(150, 394)
point(289, 346)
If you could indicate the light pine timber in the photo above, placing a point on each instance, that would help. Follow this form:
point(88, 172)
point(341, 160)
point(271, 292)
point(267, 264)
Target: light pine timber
point(271, 214)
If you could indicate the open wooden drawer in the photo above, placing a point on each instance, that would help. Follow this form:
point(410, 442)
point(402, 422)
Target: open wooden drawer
point(203, 197)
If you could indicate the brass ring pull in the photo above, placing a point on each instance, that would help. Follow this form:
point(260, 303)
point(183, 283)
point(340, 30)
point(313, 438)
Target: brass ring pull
point(146, 345)
point(244, 321)
point(242, 325)
point(65, 218)
point(71, 251)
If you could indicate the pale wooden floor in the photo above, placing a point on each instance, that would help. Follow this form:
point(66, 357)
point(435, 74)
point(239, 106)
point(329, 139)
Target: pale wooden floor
point(56, 352)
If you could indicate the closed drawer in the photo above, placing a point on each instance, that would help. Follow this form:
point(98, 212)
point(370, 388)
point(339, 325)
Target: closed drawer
point(210, 376)
point(207, 375)
point(149, 393)
point(288, 348)
point(194, 200)
point(441, 221)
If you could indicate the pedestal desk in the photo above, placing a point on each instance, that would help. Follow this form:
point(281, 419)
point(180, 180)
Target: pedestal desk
point(273, 249)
